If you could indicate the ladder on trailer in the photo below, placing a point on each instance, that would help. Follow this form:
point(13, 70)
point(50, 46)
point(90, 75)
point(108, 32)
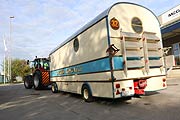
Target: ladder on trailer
point(140, 51)
point(152, 51)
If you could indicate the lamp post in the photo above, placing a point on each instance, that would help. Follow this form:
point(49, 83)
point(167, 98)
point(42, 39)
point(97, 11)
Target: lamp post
point(4, 68)
point(10, 41)
point(5, 50)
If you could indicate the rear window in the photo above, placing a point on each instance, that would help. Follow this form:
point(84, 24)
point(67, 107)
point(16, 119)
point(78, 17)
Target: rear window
point(137, 25)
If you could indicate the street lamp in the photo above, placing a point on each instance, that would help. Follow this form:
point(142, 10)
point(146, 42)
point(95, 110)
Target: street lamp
point(9, 58)
point(5, 50)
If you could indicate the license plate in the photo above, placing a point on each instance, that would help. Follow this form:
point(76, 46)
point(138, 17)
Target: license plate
point(125, 93)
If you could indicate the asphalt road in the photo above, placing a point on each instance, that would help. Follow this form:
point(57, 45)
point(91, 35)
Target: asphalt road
point(18, 103)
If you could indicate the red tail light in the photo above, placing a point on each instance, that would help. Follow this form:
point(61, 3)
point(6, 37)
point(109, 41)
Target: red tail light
point(123, 89)
point(130, 88)
point(142, 84)
point(164, 79)
point(117, 85)
point(117, 92)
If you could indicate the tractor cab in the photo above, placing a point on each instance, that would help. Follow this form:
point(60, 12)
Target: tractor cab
point(39, 77)
point(41, 64)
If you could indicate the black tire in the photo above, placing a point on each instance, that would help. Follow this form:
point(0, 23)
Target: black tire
point(37, 79)
point(54, 88)
point(28, 82)
point(86, 94)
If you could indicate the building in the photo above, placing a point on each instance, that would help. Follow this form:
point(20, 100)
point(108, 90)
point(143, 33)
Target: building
point(1, 78)
point(170, 28)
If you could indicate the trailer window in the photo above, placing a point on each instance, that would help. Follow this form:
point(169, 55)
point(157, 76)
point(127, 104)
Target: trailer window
point(76, 44)
point(137, 25)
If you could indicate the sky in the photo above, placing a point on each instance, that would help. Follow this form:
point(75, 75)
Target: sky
point(39, 26)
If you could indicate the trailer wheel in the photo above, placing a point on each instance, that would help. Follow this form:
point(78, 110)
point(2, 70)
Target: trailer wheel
point(37, 81)
point(54, 88)
point(27, 82)
point(86, 93)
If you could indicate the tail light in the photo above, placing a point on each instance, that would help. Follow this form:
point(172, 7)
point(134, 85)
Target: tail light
point(142, 84)
point(123, 89)
point(117, 85)
point(117, 92)
point(164, 79)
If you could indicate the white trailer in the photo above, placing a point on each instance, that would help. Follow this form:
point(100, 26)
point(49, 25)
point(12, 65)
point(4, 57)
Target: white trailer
point(117, 54)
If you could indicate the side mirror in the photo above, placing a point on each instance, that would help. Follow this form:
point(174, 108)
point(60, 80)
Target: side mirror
point(27, 62)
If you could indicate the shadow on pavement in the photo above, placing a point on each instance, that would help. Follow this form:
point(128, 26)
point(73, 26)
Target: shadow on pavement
point(149, 93)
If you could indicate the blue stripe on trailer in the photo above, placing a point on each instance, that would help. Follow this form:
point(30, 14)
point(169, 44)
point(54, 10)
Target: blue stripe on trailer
point(134, 58)
point(100, 65)
point(118, 63)
point(154, 58)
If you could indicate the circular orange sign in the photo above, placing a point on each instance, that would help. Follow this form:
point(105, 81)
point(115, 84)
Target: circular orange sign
point(114, 23)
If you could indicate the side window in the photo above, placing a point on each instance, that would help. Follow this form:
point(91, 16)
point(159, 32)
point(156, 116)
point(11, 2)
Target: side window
point(32, 65)
point(35, 64)
point(41, 64)
point(76, 44)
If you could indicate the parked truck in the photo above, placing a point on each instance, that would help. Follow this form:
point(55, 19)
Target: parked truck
point(117, 54)
point(39, 78)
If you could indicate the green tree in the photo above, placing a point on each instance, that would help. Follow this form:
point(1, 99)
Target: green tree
point(18, 68)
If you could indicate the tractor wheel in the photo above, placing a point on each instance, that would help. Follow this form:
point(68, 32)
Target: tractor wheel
point(37, 80)
point(28, 82)
point(54, 88)
point(86, 94)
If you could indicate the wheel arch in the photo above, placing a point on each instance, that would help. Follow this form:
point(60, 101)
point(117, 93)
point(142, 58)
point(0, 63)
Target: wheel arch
point(87, 85)
point(37, 71)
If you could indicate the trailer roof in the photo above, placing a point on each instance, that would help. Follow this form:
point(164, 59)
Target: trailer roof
point(92, 22)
